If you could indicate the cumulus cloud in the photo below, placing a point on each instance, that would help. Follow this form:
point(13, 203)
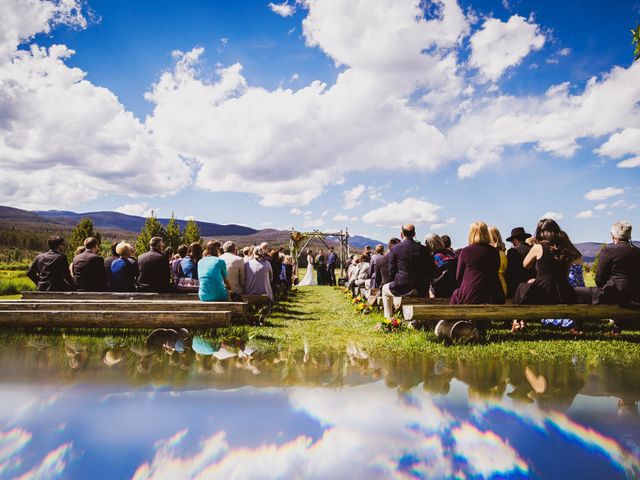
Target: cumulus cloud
point(410, 210)
point(630, 163)
point(352, 196)
point(137, 209)
point(603, 193)
point(621, 143)
point(552, 215)
point(295, 211)
point(500, 45)
point(282, 9)
point(585, 214)
point(61, 137)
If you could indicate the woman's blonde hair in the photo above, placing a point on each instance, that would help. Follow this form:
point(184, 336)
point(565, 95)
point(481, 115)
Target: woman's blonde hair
point(496, 238)
point(123, 248)
point(479, 234)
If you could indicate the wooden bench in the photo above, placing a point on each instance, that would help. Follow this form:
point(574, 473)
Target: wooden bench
point(114, 318)
point(173, 296)
point(421, 315)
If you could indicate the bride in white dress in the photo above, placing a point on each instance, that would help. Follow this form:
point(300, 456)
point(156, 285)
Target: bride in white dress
point(309, 279)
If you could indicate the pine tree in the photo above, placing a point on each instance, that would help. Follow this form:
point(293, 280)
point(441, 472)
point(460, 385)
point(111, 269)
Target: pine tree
point(81, 231)
point(191, 232)
point(174, 236)
point(152, 228)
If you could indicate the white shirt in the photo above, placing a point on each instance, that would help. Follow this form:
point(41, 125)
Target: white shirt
point(235, 271)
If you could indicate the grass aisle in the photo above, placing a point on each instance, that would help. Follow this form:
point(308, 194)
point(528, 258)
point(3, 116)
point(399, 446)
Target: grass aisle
point(324, 320)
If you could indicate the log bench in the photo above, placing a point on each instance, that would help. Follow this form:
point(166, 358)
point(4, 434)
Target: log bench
point(114, 318)
point(257, 300)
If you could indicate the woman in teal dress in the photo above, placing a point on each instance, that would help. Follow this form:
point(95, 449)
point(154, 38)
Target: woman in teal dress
point(212, 273)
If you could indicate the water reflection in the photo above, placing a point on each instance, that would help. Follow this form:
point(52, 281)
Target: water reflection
point(173, 406)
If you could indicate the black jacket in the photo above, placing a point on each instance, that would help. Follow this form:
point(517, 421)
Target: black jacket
point(410, 267)
point(155, 274)
point(50, 271)
point(618, 274)
point(88, 272)
point(516, 273)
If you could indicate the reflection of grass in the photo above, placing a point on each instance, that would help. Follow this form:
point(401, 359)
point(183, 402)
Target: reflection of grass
point(12, 282)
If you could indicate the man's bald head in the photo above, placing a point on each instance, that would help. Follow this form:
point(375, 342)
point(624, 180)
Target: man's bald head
point(408, 230)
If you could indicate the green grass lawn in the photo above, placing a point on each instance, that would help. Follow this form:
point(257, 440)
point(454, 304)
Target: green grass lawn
point(12, 282)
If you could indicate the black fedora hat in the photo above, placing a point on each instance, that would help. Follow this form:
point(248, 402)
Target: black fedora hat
point(518, 232)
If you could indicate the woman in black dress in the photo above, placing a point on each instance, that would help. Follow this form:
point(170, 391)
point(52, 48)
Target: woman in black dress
point(553, 254)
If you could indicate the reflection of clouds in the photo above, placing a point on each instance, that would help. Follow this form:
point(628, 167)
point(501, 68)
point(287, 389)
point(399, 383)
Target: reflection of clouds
point(485, 452)
point(11, 443)
point(370, 433)
point(52, 466)
point(16, 403)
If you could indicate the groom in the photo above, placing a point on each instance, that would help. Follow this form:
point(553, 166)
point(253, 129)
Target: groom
point(332, 262)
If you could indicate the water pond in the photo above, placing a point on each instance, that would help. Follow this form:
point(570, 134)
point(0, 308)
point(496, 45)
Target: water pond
point(181, 407)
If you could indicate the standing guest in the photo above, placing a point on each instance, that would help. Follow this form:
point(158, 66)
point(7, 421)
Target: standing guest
point(618, 273)
point(124, 270)
point(287, 272)
point(446, 262)
point(375, 258)
point(189, 264)
point(381, 272)
point(552, 256)
point(108, 261)
point(212, 274)
point(496, 242)
point(247, 252)
point(176, 269)
point(155, 274)
point(276, 268)
point(321, 265)
point(88, 268)
point(516, 272)
point(410, 270)
point(50, 270)
point(478, 266)
point(332, 263)
point(235, 271)
point(258, 275)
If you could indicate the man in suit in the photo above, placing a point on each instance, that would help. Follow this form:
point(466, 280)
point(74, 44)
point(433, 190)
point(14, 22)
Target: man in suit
point(321, 265)
point(410, 269)
point(332, 263)
point(516, 273)
point(381, 270)
point(618, 273)
point(88, 268)
point(375, 258)
point(155, 274)
point(50, 270)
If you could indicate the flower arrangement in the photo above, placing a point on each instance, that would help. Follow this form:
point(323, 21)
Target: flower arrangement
point(296, 236)
point(390, 325)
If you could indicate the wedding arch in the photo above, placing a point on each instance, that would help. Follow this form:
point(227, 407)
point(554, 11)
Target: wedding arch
point(296, 238)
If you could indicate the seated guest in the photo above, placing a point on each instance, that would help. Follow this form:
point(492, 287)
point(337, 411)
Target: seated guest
point(447, 243)
point(78, 251)
point(352, 271)
point(381, 271)
point(276, 268)
point(258, 275)
point(212, 273)
point(247, 252)
point(375, 258)
point(50, 270)
point(618, 272)
point(477, 271)
point(496, 242)
point(235, 271)
point(155, 275)
point(362, 274)
point(552, 256)
point(108, 261)
point(176, 269)
point(516, 272)
point(446, 262)
point(189, 264)
point(88, 268)
point(410, 270)
point(287, 272)
point(124, 270)
point(576, 277)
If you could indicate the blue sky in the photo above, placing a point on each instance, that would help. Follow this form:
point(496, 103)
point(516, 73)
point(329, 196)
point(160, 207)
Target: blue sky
point(331, 114)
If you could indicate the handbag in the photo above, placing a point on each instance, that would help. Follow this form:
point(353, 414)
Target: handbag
point(189, 285)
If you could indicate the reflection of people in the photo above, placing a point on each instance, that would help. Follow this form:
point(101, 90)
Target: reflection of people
point(50, 270)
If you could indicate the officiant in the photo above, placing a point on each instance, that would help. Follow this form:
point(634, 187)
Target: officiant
point(321, 265)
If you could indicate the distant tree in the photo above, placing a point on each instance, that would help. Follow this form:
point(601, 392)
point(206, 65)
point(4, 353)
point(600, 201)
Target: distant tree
point(80, 232)
point(596, 261)
point(635, 39)
point(152, 228)
point(191, 232)
point(174, 236)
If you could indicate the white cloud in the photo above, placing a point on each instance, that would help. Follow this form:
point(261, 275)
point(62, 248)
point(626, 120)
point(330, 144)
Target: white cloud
point(137, 209)
point(603, 193)
point(563, 52)
point(294, 78)
point(410, 210)
point(585, 214)
point(621, 143)
point(601, 206)
point(552, 215)
point(295, 211)
point(341, 218)
point(190, 217)
point(352, 196)
point(500, 45)
point(618, 203)
point(282, 9)
point(630, 163)
point(313, 222)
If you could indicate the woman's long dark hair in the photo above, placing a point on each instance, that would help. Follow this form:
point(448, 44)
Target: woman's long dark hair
point(548, 231)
